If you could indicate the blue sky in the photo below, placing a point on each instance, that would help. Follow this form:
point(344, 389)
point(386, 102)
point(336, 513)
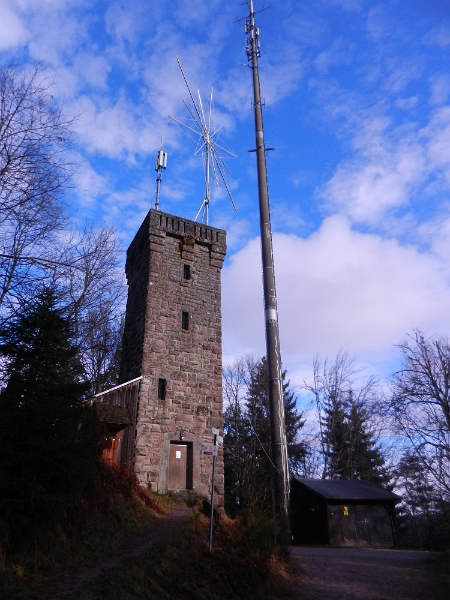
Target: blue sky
point(357, 105)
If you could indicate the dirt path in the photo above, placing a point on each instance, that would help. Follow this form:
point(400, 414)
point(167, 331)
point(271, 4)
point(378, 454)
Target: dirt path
point(154, 539)
point(367, 574)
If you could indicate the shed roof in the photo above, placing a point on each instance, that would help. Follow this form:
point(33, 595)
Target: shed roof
point(348, 489)
point(113, 414)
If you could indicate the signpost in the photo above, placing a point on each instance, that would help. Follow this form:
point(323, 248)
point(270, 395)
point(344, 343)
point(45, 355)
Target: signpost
point(209, 449)
point(213, 451)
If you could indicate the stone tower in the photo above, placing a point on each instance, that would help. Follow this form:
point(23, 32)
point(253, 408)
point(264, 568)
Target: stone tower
point(173, 342)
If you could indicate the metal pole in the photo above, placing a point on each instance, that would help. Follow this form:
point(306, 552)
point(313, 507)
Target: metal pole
point(211, 520)
point(208, 189)
point(158, 189)
point(280, 468)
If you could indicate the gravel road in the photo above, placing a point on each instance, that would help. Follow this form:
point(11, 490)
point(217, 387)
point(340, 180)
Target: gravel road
point(369, 574)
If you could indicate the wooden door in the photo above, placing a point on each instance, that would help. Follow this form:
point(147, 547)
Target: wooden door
point(177, 467)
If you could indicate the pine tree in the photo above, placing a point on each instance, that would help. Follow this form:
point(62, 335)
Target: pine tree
point(247, 433)
point(352, 449)
point(44, 457)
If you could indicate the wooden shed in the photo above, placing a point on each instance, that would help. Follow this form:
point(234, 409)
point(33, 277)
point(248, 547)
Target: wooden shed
point(342, 512)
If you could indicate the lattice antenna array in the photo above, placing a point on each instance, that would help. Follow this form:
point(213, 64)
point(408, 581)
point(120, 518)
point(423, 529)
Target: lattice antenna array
point(207, 145)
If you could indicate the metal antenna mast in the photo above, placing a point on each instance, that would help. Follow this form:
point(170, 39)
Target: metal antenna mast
point(207, 145)
point(160, 166)
point(280, 470)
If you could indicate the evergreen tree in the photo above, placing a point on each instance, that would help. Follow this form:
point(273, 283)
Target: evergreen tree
point(248, 465)
point(346, 417)
point(352, 449)
point(44, 457)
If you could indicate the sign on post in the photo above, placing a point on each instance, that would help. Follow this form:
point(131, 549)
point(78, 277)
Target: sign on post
point(209, 449)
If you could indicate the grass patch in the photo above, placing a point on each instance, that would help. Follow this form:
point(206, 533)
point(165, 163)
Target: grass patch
point(112, 509)
point(184, 570)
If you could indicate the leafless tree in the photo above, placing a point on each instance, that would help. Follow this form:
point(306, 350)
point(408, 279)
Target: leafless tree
point(35, 171)
point(95, 281)
point(93, 291)
point(345, 411)
point(420, 405)
point(101, 343)
point(236, 381)
point(38, 245)
point(34, 138)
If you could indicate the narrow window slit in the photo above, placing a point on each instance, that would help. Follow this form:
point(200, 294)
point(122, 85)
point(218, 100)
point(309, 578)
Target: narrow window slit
point(161, 389)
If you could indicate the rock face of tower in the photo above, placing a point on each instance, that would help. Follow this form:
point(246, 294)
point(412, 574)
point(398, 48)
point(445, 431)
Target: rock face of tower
point(173, 341)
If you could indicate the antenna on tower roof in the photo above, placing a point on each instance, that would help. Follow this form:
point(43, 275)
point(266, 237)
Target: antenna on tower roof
point(160, 166)
point(207, 145)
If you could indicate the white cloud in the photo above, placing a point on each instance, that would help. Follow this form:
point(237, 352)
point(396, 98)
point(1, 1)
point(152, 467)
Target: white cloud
point(380, 179)
point(438, 37)
point(437, 136)
point(391, 167)
point(13, 31)
point(347, 4)
point(93, 69)
point(338, 53)
point(407, 103)
point(336, 289)
point(118, 130)
point(379, 23)
point(201, 14)
point(121, 23)
point(90, 185)
point(440, 89)
point(279, 80)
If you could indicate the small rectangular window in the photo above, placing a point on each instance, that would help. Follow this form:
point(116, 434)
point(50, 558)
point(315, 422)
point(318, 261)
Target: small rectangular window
point(185, 321)
point(187, 272)
point(161, 389)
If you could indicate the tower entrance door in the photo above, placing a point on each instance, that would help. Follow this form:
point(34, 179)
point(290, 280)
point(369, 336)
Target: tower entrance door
point(180, 466)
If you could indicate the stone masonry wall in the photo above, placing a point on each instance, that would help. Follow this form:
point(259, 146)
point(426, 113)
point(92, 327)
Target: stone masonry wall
point(156, 346)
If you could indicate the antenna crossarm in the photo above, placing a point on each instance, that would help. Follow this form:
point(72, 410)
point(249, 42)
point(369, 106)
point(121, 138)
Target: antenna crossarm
point(194, 118)
point(226, 150)
point(184, 125)
point(225, 184)
point(189, 89)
